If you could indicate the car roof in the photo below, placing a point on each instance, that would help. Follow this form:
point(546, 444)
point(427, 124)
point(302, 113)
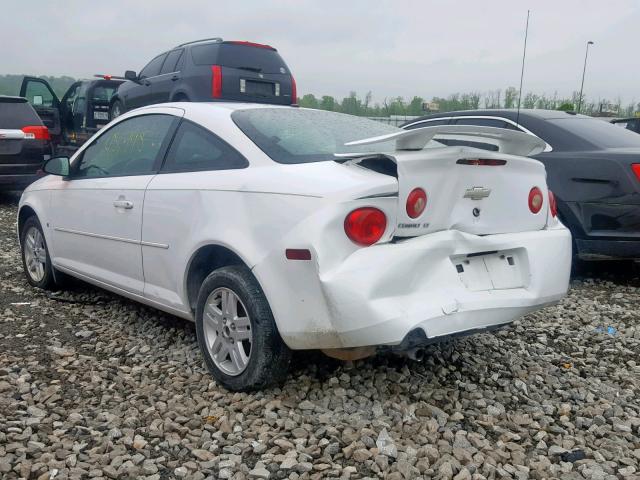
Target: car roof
point(204, 106)
point(12, 99)
point(510, 113)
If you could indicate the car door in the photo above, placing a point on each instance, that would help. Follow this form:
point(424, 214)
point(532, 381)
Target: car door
point(141, 93)
point(181, 199)
point(97, 210)
point(163, 84)
point(45, 102)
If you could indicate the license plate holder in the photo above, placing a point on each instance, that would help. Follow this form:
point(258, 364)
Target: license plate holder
point(492, 270)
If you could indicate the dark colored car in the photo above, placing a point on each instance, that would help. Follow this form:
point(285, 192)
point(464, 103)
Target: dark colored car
point(593, 168)
point(209, 70)
point(24, 143)
point(83, 110)
point(632, 123)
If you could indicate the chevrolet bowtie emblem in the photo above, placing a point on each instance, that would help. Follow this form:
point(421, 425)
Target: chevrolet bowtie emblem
point(477, 193)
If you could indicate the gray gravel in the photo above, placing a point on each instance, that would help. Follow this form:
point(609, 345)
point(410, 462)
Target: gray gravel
point(95, 386)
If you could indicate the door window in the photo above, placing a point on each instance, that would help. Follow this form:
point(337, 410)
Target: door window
point(430, 123)
point(171, 62)
point(131, 147)
point(39, 95)
point(153, 67)
point(196, 149)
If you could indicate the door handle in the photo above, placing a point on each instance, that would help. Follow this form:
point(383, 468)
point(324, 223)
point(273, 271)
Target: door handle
point(175, 77)
point(126, 204)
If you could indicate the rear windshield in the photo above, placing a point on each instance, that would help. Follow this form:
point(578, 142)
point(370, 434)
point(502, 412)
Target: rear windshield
point(263, 60)
point(15, 115)
point(299, 135)
point(598, 132)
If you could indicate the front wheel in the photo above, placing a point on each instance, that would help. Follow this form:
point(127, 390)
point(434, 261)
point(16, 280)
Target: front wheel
point(35, 255)
point(116, 110)
point(236, 331)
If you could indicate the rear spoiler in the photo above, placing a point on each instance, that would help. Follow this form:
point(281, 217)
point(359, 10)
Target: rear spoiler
point(508, 141)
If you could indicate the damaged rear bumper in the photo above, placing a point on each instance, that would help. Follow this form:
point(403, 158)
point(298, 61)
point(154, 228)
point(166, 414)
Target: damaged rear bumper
point(433, 286)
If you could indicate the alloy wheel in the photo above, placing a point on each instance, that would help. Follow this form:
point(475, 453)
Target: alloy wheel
point(35, 254)
point(227, 330)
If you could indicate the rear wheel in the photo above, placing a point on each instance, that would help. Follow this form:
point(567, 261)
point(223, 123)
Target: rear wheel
point(116, 109)
point(236, 331)
point(35, 255)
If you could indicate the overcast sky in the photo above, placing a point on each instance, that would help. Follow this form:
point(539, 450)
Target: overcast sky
point(400, 47)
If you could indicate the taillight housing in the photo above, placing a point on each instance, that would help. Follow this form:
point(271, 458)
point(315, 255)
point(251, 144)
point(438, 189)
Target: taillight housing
point(636, 169)
point(416, 202)
point(294, 91)
point(36, 132)
point(216, 81)
point(553, 205)
point(365, 226)
point(535, 200)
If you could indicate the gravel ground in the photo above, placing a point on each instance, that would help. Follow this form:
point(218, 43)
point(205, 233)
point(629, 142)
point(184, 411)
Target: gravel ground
point(96, 386)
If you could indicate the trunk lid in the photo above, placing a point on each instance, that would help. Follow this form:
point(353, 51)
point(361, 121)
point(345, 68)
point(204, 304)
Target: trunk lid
point(463, 195)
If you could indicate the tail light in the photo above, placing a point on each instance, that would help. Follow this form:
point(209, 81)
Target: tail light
point(365, 226)
point(294, 91)
point(553, 205)
point(36, 132)
point(535, 200)
point(416, 202)
point(216, 81)
point(636, 169)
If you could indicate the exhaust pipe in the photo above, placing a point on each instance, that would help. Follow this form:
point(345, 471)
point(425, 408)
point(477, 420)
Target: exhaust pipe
point(416, 354)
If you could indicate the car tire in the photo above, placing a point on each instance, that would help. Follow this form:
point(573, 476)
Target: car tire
point(35, 255)
point(236, 331)
point(117, 109)
point(181, 97)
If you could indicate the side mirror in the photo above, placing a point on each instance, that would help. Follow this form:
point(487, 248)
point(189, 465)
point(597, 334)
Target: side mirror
point(131, 75)
point(57, 166)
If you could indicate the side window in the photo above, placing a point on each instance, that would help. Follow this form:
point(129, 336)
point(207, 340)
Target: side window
point(430, 123)
point(482, 122)
point(195, 149)
point(70, 96)
point(38, 94)
point(171, 62)
point(153, 67)
point(131, 147)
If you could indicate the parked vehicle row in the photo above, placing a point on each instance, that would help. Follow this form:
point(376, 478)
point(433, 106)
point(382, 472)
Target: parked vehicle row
point(592, 167)
point(280, 228)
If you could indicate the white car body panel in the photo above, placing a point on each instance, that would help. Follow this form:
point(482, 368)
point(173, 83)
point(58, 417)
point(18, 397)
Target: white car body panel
point(346, 296)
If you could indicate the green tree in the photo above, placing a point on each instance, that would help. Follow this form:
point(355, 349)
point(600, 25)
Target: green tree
point(510, 97)
point(328, 103)
point(309, 101)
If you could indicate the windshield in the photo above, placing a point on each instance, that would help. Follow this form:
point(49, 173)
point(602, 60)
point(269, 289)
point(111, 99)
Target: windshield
point(598, 132)
point(299, 135)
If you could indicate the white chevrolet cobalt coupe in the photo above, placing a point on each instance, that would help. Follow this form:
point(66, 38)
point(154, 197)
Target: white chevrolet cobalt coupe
point(280, 228)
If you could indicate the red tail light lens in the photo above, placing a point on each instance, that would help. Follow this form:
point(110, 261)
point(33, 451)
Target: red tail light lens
point(636, 169)
point(482, 162)
point(36, 132)
point(250, 44)
point(416, 202)
point(365, 226)
point(535, 200)
point(294, 91)
point(553, 206)
point(216, 81)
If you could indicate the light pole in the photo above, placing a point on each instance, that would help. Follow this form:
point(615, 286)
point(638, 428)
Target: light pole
point(586, 54)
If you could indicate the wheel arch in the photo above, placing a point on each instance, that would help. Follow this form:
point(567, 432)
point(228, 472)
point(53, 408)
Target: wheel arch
point(180, 93)
point(24, 213)
point(202, 262)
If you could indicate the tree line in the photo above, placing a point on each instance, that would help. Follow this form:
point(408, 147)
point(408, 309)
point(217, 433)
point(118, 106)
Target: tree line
point(355, 104)
point(507, 98)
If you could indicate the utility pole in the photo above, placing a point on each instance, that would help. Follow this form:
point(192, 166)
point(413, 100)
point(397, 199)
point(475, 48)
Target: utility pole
point(584, 70)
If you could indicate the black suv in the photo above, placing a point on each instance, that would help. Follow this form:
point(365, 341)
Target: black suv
point(82, 111)
point(209, 70)
point(24, 143)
